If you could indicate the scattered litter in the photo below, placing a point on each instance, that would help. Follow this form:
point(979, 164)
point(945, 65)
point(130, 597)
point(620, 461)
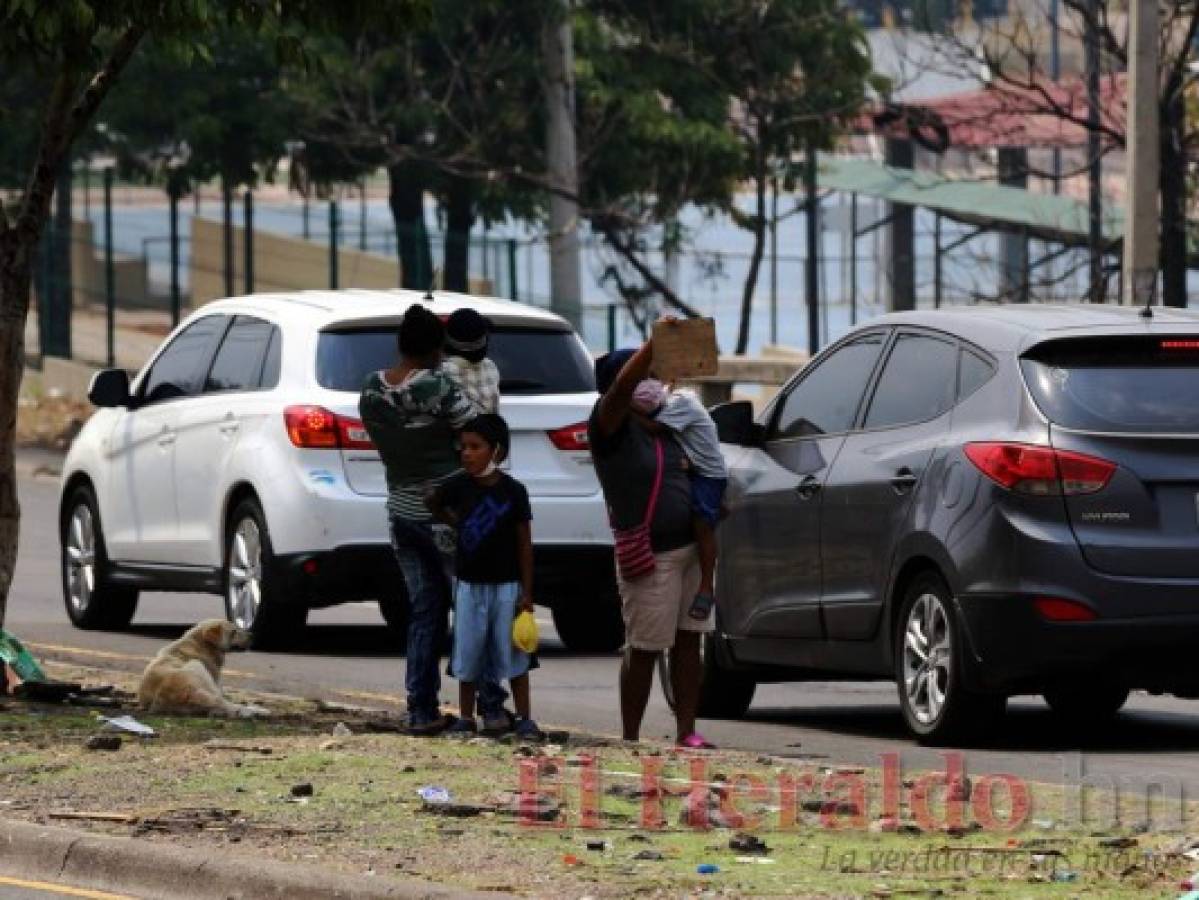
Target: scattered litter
point(330, 744)
point(651, 855)
point(707, 869)
point(303, 789)
point(1044, 824)
point(217, 744)
point(1192, 855)
point(103, 742)
point(570, 859)
point(748, 843)
point(755, 860)
point(408, 770)
point(1065, 876)
point(1118, 843)
point(119, 818)
point(639, 838)
point(130, 724)
point(1191, 883)
point(18, 661)
point(433, 793)
point(341, 730)
point(597, 846)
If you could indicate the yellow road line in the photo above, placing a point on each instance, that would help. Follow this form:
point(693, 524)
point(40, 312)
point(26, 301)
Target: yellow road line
point(108, 654)
point(61, 889)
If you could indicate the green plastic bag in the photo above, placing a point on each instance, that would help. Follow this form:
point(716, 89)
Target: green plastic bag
point(21, 660)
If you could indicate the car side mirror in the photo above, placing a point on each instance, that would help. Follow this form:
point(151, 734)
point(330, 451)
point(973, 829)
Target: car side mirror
point(109, 388)
point(735, 424)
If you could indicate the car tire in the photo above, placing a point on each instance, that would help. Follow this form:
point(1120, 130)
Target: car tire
point(1087, 704)
point(590, 623)
point(254, 595)
point(723, 693)
point(394, 608)
point(91, 601)
point(929, 660)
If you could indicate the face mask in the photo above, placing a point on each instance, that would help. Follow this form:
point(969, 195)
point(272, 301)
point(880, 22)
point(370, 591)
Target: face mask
point(648, 396)
point(492, 465)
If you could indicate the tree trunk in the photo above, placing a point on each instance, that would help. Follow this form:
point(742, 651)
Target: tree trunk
point(406, 198)
point(755, 261)
point(1173, 189)
point(459, 203)
point(16, 258)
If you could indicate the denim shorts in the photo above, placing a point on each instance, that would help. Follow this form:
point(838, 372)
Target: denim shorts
point(707, 497)
point(483, 647)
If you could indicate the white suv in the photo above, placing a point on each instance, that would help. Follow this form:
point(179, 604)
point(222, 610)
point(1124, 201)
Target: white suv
point(235, 464)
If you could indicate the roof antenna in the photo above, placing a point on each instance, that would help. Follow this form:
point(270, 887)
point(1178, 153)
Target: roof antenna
point(1149, 284)
point(429, 290)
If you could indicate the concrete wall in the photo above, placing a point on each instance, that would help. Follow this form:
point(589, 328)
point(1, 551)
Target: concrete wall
point(284, 263)
point(131, 281)
point(280, 264)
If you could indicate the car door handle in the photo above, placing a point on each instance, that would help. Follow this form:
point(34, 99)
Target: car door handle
point(166, 439)
point(230, 427)
point(905, 479)
point(808, 488)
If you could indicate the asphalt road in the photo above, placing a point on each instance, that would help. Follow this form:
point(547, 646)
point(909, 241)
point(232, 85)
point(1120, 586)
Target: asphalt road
point(346, 654)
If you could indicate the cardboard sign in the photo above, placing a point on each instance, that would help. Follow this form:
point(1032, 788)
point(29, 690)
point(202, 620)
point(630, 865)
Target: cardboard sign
point(685, 348)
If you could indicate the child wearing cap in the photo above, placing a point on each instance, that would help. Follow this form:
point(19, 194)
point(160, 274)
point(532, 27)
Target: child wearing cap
point(494, 564)
point(466, 359)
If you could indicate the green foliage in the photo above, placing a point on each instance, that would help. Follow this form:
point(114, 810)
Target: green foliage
point(228, 115)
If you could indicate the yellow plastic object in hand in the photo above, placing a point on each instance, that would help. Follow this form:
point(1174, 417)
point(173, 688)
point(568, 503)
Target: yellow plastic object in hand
point(524, 632)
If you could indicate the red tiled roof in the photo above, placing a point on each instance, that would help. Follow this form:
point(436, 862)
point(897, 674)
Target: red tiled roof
point(1004, 116)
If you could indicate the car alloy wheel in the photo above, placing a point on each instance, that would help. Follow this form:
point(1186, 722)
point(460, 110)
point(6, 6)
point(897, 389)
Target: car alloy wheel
point(245, 573)
point(927, 658)
point(80, 559)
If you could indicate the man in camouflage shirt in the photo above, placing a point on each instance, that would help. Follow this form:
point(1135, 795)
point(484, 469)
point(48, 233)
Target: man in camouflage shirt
point(411, 412)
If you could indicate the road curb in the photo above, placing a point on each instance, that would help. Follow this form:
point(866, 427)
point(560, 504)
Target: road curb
point(151, 870)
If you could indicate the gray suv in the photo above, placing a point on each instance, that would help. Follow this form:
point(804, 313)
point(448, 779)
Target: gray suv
point(976, 503)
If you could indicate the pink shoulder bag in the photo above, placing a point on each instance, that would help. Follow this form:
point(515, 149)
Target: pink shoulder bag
point(634, 553)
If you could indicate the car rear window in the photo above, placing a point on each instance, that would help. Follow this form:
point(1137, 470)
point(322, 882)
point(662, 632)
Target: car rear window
point(530, 360)
point(1142, 384)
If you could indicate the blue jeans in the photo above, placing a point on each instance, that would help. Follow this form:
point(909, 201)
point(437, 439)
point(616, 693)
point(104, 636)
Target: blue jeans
point(425, 571)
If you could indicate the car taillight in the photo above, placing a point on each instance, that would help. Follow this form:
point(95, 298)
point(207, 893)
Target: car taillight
point(1055, 609)
point(1031, 469)
point(314, 427)
point(572, 438)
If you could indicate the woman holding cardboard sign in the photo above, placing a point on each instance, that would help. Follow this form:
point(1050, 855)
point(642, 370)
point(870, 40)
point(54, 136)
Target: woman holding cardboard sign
point(649, 503)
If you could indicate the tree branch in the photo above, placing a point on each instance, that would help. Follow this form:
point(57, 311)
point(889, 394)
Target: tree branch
point(625, 249)
point(65, 119)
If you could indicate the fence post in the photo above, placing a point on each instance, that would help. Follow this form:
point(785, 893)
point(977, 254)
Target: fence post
point(611, 327)
point(512, 269)
point(362, 218)
point(248, 237)
point(304, 217)
point(176, 299)
point(333, 245)
point(227, 212)
point(110, 275)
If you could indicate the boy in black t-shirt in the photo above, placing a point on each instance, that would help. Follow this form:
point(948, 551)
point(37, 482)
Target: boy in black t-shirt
point(490, 510)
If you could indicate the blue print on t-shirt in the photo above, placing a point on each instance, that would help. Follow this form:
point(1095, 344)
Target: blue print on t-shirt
point(481, 522)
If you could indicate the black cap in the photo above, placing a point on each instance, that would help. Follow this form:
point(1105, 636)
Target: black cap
point(466, 334)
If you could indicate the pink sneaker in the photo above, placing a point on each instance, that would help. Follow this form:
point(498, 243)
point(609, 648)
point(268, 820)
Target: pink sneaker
point(696, 741)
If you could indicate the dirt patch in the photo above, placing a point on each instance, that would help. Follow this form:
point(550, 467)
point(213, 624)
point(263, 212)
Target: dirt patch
point(334, 786)
point(50, 422)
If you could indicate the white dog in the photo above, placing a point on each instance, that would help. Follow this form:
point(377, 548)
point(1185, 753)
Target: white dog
point(184, 677)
